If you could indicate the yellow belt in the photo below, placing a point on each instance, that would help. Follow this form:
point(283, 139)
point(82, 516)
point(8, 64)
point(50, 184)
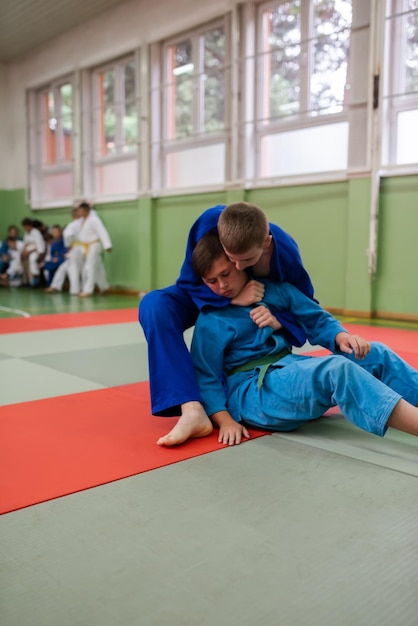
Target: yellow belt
point(85, 245)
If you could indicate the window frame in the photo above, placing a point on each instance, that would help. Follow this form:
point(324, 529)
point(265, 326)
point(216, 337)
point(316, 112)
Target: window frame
point(37, 168)
point(395, 100)
point(163, 146)
point(117, 64)
point(264, 127)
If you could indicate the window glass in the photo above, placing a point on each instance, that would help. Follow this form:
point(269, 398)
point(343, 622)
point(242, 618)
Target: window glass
point(130, 116)
point(56, 119)
point(214, 80)
point(107, 112)
point(180, 90)
point(111, 165)
point(49, 128)
point(195, 91)
point(411, 44)
point(331, 45)
point(193, 108)
point(66, 102)
point(304, 57)
point(280, 59)
point(400, 87)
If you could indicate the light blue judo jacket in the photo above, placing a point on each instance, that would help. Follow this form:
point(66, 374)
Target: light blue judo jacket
point(294, 389)
point(225, 339)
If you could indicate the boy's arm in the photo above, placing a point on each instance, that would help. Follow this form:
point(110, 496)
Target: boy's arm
point(102, 233)
point(230, 431)
point(40, 242)
point(319, 325)
point(210, 339)
point(286, 265)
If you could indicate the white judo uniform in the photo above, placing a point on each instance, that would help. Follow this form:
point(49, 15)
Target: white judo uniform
point(15, 269)
point(70, 234)
point(89, 238)
point(34, 243)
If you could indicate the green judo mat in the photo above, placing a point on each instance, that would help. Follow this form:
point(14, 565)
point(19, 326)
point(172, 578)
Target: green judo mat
point(396, 450)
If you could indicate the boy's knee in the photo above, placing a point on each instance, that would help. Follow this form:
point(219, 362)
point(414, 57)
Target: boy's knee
point(148, 305)
point(338, 364)
point(154, 305)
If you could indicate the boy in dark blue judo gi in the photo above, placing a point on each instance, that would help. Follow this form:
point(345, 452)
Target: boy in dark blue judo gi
point(250, 242)
point(268, 386)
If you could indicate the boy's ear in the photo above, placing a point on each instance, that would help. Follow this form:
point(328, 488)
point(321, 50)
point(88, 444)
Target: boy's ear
point(268, 241)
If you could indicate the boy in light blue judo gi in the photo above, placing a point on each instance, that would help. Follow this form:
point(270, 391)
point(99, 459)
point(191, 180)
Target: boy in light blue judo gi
point(269, 387)
point(166, 313)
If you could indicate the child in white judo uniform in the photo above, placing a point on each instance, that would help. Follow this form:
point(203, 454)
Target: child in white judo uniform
point(85, 259)
point(13, 275)
point(33, 249)
point(269, 387)
point(69, 235)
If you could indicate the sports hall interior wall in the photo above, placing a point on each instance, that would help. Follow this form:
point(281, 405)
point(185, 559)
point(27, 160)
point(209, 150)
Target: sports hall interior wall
point(329, 221)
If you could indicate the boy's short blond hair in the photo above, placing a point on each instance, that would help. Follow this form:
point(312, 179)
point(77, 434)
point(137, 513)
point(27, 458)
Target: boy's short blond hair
point(242, 226)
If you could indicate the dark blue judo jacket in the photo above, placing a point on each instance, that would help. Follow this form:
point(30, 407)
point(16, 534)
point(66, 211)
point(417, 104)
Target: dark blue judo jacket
point(285, 266)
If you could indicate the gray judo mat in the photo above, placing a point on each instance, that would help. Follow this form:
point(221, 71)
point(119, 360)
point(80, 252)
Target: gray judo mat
point(268, 533)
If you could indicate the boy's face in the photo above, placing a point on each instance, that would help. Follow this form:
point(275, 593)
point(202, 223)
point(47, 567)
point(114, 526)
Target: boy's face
point(249, 258)
point(224, 278)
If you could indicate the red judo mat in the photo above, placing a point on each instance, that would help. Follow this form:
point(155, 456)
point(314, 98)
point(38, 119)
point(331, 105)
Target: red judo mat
point(399, 339)
point(58, 446)
point(67, 320)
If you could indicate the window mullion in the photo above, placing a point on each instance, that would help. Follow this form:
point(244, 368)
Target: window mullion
point(198, 84)
point(59, 139)
point(119, 105)
point(306, 58)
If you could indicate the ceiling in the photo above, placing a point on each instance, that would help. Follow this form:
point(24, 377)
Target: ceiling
point(27, 24)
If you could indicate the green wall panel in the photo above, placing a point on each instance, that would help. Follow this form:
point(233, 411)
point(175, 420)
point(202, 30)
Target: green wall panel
point(173, 217)
point(396, 289)
point(123, 221)
point(315, 216)
point(13, 209)
point(330, 222)
point(358, 283)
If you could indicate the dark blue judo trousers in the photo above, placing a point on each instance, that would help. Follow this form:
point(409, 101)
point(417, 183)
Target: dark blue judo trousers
point(165, 314)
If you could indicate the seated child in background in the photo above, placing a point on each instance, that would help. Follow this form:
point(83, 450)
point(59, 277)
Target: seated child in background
point(269, 387)
point(55, 254)
point(12, 231)
point(70, 234)
point(13, 275)
point(33, 249)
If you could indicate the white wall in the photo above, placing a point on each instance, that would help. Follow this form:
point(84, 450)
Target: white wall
point(5, 139)
point(113, 33)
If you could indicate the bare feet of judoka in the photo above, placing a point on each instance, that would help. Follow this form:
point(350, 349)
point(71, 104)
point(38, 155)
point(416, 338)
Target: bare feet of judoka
point(193, 423)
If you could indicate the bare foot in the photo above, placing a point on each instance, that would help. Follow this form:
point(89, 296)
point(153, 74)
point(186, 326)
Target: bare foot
point(84, 294)
point(193, 423)
point(50, 290)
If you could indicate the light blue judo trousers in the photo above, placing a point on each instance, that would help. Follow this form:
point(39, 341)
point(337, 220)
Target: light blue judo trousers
point(296, 388)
